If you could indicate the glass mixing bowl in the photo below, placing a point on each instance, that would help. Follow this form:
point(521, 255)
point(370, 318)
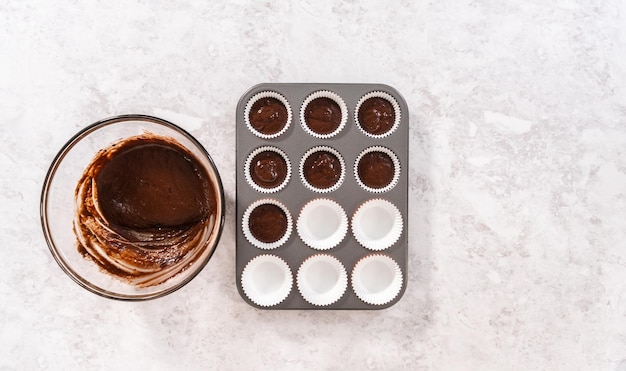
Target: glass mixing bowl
point(58, 205)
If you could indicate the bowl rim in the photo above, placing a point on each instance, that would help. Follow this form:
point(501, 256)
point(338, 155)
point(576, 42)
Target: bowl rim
point(65, 149)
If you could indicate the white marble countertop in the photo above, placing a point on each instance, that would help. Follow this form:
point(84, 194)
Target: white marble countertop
point(517, 178)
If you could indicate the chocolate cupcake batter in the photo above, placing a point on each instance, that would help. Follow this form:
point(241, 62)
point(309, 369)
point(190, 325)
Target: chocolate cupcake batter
point(268, 115)
point(322, 115)
point(322, 169)
point(376, 115)
point(144, 207)
point(376, 169)
point(268, 169)
point(267, 223)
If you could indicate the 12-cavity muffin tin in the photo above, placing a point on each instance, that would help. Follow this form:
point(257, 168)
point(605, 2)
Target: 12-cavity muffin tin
point(322, 196)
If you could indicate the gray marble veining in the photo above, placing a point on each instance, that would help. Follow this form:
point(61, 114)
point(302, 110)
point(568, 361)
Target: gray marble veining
point(517, 178)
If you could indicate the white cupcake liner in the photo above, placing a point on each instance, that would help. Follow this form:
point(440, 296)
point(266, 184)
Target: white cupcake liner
point(377, 224)
point(267, 94)
point(245, 225)
point(322, 224)
point(322, 279)
point(251, 181)
point(388, 97)
point(267, 280)
point(324, 94)
point(376, 279)
point(396, 166)
point(342, 176)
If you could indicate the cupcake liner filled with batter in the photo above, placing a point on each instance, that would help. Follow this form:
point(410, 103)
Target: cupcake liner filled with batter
point(268, 114)
point(377, 114)
point(323, 114)
point(322, 169)
point(267, 224)
point(377, 169)
point(268, 169)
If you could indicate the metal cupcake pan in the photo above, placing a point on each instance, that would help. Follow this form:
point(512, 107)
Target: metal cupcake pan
point(377, 274)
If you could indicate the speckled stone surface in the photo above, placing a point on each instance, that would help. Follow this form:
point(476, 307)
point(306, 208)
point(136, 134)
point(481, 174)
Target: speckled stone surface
point(517, 178)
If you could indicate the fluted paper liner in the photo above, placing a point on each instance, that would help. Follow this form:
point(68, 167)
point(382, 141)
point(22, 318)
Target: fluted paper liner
point(267, 280)
point(267, 94)
point(322, 279)
point(324, 94)
point(245, 225)
point(251, 181)
point(376, 279)
point(342, 176)
point(322, 224)
point(396, 166)
point(386, 96)
point(377, 224)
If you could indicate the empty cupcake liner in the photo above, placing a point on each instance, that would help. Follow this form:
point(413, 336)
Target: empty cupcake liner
point(251, 181)
point(342, 163)
point(322, 224)
point(245, 225)
point(267, 94)
point(322, 279)
point(267, 280)
point(396, 166)
point(324, 94)
point(377, 224)
point(376, 279)
point(386, 96)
